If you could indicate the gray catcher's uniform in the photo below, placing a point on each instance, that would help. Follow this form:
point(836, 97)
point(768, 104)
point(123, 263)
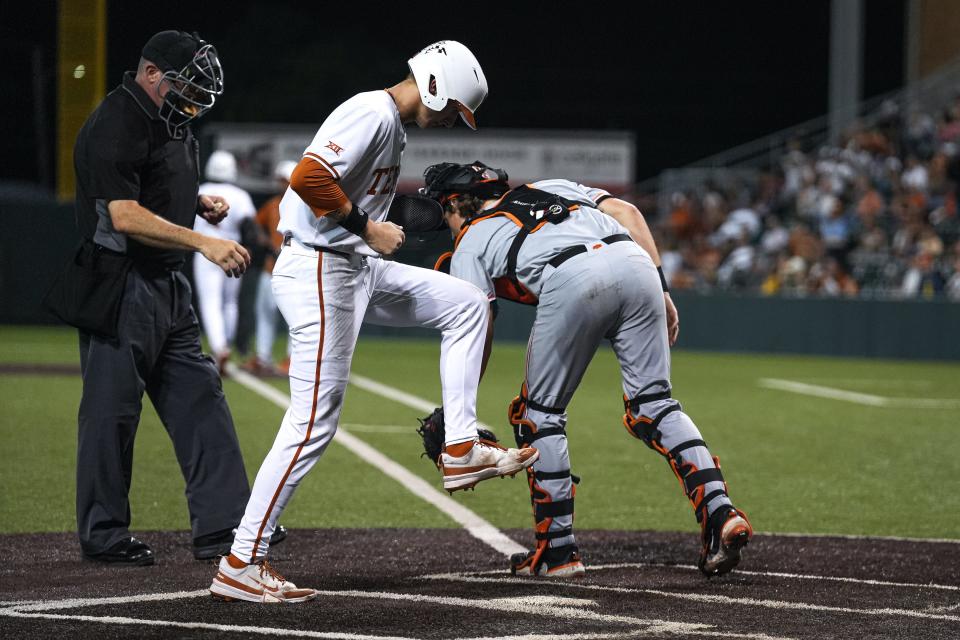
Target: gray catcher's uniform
point(590, 281)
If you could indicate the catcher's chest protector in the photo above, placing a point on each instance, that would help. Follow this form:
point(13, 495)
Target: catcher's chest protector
point(530, 209)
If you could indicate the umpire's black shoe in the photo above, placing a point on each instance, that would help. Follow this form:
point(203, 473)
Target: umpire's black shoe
point(129, 552)
point(214, 545)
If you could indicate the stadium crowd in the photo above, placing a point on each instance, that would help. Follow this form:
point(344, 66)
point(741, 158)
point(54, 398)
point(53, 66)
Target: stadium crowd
point(875, 215)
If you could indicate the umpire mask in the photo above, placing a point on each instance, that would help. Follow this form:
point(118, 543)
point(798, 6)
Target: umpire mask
point(193, 74)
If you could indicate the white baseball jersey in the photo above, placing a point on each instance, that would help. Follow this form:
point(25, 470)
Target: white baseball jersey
point(360, 144)
point(241, 208)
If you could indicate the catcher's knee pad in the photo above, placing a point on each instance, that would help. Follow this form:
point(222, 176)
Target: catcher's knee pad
point(644, 427)
point(525, 430)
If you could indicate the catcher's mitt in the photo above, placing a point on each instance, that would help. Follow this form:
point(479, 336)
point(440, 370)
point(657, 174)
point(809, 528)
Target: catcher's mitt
point(433, 434)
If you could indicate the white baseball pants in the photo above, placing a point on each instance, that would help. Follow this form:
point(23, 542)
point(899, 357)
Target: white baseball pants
point(267, 315)
point(219, 297)
point(324, 297)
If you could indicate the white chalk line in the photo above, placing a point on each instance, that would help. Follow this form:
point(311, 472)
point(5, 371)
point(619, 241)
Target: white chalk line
point(535, 605)
point(746, 572)
point(866, 399)
point(466, 518)
point(851, 536)
point(713, 599)
point(376, 428)
point(892, 383)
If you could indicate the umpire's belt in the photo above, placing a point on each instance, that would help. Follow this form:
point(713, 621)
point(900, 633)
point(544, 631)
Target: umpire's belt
point(287, 240)
point(577, 249)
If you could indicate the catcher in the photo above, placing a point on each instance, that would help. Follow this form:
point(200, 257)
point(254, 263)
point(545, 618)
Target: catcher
point(589, 263)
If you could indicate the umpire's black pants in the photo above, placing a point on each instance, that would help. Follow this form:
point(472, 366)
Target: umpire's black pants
point(157, 351)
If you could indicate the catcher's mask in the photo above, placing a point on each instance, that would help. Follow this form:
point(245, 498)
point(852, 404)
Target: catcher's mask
point(448, 180)
point(193, 74)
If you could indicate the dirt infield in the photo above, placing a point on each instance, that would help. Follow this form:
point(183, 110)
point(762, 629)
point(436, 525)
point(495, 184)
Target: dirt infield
point(380, 583)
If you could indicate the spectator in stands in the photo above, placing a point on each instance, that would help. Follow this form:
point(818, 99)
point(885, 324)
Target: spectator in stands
point(923, 279)
point(870, 216)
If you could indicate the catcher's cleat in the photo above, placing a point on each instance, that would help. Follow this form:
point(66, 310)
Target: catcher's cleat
point(237, 580)
point(551, 562)
point(481, 460)
point(725, 533)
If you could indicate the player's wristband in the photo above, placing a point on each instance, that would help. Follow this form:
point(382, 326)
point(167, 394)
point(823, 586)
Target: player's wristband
point(356, 220)
point(663, 280)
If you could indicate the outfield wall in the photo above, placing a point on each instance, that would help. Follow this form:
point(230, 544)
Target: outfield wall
point(38, 236)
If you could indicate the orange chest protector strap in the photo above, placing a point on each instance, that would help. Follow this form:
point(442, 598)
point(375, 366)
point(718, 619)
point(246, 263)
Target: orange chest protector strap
point(530, 209)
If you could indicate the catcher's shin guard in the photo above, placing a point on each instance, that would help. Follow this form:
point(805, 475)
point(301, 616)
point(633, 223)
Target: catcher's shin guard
point(689, 458)
point(552, 513)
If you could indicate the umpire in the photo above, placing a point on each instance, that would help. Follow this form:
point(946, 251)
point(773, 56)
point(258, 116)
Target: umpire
point(137, 194)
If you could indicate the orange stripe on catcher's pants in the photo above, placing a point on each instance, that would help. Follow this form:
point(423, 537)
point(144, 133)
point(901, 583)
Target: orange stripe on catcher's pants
point(313, 412)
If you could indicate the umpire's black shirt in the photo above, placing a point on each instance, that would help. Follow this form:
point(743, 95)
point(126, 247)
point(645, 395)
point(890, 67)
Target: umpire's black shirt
point(123, 152)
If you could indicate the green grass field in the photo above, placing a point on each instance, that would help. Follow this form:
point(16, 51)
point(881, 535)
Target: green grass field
point(794, 463)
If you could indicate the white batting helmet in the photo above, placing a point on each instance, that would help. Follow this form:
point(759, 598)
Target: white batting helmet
point(221, 167)
point(447, 70)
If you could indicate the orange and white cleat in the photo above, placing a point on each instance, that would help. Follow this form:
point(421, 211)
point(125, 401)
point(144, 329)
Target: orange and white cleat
point(467, 463)
point(237, 580)
point(550, 562)
point(725, 533)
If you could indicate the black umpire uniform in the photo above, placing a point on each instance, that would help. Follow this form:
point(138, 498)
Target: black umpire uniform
point(126, 151)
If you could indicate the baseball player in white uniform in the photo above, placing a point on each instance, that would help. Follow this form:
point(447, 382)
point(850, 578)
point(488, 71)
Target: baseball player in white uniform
point(218, 293)
point(330, 278)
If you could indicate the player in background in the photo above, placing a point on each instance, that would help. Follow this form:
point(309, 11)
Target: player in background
point(330, 278)
point(217, 293)
point(590, 264)
point(271, 240)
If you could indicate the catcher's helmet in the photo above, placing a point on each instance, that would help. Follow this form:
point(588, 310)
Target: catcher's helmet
point(449, 179)
point(447, 70)
point(193, 73)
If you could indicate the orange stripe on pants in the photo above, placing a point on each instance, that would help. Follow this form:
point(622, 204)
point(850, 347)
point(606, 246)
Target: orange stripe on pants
point(313, 412)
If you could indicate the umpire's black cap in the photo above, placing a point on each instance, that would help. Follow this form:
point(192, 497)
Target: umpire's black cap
point(171, 50)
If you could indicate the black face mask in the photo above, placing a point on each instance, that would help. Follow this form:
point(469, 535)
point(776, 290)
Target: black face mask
point(192, 91)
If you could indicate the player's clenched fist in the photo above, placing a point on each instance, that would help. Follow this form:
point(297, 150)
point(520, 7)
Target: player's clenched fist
point(383, 237)
point(228, 255)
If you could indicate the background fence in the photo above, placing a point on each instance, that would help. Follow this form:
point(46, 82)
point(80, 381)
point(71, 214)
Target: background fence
point(39, 236)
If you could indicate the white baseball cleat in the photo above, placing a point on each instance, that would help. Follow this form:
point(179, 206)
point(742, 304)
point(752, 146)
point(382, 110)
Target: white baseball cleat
point(255, 583)
point(483, 460)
